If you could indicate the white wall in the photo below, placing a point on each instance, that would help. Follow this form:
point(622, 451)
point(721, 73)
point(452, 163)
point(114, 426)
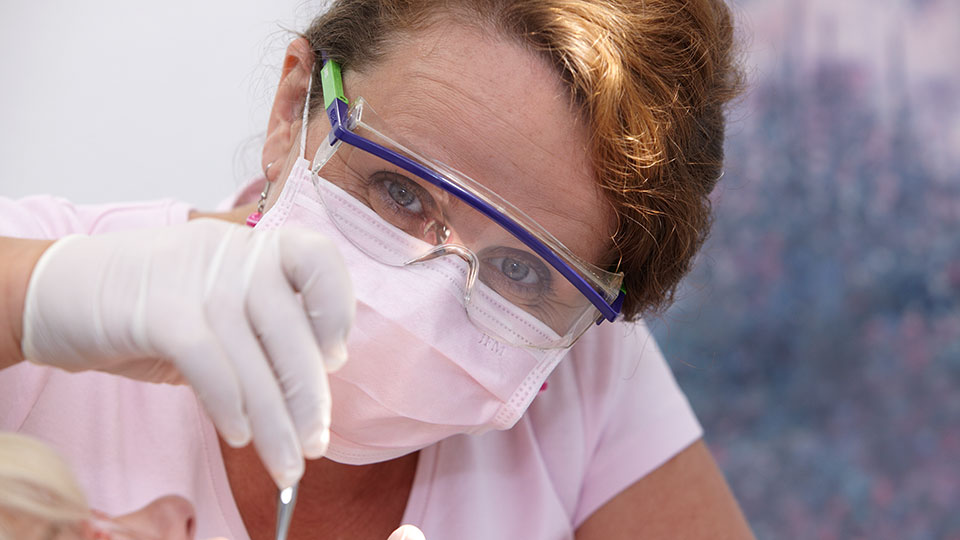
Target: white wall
point(110, 100)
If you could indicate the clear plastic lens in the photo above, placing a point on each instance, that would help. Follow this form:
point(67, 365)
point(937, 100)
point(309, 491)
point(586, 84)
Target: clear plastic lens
point(411, 206)
point(518, 296)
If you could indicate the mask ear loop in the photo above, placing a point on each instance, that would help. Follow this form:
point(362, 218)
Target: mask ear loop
point(306, 119)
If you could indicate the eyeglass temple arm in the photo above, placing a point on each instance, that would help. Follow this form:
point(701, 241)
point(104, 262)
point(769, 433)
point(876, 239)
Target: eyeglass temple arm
point(616, 305)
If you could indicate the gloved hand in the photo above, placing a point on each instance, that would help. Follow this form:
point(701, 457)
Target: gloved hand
point(211, 304)
point(407, 532)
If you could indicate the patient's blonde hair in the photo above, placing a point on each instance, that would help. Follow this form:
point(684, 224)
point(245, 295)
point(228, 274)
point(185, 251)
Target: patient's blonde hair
point(36, 485)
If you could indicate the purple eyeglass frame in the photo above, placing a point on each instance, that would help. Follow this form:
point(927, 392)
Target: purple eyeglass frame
point(338, 110)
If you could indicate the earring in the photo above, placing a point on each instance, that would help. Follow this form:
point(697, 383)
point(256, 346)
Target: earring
point(254, 218)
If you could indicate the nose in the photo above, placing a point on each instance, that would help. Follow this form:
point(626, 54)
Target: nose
point(460, 251)
point(170, 518)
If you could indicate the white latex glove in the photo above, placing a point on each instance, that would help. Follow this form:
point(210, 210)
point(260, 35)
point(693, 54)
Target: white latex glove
point(211, 304)
point(407, 532)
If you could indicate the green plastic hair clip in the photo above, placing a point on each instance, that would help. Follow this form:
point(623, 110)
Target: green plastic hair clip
point(332, 83)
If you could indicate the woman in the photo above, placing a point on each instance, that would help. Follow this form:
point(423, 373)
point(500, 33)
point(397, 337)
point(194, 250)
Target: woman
point(545, 148)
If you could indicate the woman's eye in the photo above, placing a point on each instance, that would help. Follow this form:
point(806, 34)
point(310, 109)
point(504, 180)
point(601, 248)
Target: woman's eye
point(516, 270)
point(404, 196)
point(405, 204)
point(518, 276)
point(515, 274)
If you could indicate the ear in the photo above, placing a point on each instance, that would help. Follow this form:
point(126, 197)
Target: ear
point(285, 116)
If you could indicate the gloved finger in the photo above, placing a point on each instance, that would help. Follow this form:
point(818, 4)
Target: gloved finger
point(279, 320)
point(204, 364)
point(407, 532)
point(316, 270)
point(274, 436)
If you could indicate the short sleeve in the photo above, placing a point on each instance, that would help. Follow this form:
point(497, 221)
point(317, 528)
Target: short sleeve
point(47, 217)
point(635, 415)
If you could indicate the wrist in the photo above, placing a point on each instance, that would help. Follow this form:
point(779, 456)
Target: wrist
point(237, 215)
point(20, 257)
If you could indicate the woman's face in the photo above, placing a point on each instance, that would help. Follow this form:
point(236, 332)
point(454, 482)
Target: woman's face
point(495, 111)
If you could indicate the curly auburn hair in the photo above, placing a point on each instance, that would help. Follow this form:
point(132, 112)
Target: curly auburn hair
point(651, 78)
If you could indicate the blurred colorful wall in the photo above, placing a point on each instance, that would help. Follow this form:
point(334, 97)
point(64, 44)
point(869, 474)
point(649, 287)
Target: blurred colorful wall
point(818, 337)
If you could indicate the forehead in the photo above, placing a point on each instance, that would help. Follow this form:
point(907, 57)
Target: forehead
point(498, 113)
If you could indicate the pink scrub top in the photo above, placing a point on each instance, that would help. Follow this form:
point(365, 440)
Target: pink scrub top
point(611, 414)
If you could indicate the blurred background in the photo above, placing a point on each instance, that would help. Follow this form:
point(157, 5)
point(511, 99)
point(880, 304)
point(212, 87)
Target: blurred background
point(818, 337)
point(113, 100)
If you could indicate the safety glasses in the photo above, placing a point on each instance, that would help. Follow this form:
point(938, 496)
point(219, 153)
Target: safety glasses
point(516, 271)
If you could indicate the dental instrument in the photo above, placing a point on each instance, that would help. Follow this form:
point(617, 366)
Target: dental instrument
point(286, 500)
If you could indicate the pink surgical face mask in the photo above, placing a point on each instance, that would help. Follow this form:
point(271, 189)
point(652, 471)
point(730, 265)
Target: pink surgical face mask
point(419, 371)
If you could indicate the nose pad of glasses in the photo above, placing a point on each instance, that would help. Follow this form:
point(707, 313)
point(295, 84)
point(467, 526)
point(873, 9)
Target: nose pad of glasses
point(440, 232)
point(473, 264)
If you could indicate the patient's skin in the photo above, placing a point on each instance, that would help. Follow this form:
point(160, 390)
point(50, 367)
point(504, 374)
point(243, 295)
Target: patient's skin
point(169, 518)
point(166, 518)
